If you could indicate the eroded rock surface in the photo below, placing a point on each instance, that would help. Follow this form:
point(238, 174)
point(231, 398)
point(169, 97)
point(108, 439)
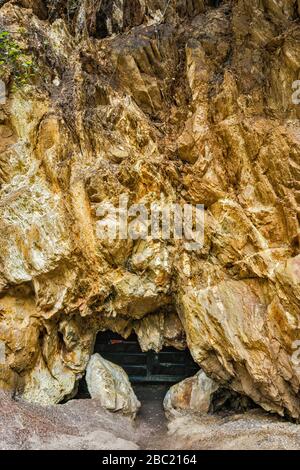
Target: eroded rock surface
point(192, 395)
point(162, 102)
point(109, 383)
point(84, 424)
point(253, 430)
point(76, 425)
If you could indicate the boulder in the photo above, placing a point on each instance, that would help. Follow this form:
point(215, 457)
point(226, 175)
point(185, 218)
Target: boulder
point(109, 383)
point(191, 395)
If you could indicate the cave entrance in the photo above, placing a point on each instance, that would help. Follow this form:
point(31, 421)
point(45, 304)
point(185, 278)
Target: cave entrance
point(164, 368)
point(167, 366)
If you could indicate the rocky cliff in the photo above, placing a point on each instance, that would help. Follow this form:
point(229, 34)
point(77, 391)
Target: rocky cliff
point(161, 101)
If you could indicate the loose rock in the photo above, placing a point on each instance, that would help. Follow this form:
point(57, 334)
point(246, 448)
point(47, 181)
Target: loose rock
point(109, 383)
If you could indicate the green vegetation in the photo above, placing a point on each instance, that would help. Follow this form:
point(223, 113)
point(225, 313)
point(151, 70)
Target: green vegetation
point(14, 61)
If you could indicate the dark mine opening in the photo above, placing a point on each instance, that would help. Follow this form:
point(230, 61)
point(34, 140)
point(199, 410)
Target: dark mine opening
point(168, 366)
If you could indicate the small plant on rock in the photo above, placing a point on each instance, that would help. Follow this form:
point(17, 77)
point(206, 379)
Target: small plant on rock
point(14, 61)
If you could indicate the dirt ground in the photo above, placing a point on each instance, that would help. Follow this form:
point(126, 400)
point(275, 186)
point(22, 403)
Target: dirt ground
point(151, 422)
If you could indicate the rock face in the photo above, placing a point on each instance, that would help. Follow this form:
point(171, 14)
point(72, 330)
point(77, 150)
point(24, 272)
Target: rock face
point(76, 425)
point(109, 383)
point(193, 395)
point(83, 424)
point(158, 102)
point(255, 430)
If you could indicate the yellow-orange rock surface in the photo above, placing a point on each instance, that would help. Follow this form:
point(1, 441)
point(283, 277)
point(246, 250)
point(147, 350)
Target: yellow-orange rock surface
point(181, 101)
